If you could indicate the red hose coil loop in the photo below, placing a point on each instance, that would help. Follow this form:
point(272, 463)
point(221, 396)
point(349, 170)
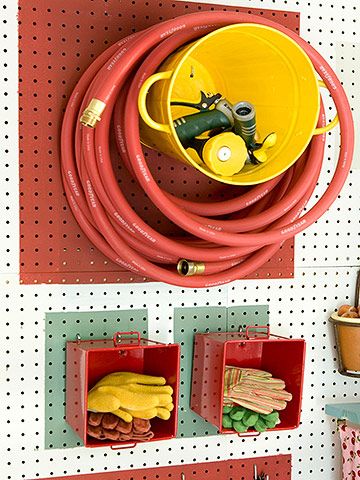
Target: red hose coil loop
point(230, 249)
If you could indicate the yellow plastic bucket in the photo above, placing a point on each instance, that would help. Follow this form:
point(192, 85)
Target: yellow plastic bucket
point(243, 62)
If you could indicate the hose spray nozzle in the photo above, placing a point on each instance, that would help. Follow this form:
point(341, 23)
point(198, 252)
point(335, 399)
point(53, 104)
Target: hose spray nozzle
point(245, 122)
point(231, 141)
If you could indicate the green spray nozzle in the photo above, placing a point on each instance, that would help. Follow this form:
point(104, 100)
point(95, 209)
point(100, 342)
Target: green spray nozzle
point(191, 126)
point(239, 118)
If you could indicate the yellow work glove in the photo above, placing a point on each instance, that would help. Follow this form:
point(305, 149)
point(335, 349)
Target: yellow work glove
point(129, 395)
point(125, 378)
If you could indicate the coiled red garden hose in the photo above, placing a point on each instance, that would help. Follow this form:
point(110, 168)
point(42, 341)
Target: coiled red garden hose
point(226, 249)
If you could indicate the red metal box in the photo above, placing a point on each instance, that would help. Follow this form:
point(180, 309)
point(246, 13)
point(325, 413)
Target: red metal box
point(282, 357)
point(90, 360)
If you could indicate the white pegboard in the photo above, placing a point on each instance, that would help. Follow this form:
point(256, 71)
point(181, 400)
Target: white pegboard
point(9, 178)
point(334, 238)
point(327, 258)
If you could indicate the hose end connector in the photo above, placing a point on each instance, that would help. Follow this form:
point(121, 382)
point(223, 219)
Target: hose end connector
point(188, 269)
point(92, 113)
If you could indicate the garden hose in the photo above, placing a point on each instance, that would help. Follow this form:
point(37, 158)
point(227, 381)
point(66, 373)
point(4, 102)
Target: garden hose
point(216, 251)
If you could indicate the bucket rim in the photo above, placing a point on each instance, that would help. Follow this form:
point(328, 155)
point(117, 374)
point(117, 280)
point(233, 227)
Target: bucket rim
point(336, 319)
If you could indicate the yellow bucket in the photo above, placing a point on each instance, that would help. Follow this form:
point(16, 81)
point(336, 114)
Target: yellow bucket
point(243, 62)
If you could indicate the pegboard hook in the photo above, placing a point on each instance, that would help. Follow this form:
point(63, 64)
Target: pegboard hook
point(78, 338)
point(118, 338)
point(253, 331)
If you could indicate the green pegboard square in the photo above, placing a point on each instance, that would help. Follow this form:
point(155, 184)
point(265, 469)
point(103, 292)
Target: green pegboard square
point(59, 328)
point(187, 322)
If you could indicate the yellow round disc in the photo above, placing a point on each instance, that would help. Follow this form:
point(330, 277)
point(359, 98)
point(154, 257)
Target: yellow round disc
point(225, 154)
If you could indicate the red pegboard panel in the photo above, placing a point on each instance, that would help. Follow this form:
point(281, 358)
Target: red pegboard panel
point(277, 467)
point(57, 41)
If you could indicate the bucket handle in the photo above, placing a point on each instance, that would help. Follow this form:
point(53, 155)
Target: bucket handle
point(357, 291)
point(249, 434)
point(142, 101)
point(332, 124)
point(123, 447)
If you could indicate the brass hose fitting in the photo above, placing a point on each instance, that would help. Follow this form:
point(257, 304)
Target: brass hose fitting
point(188, 269)
point(92, 113)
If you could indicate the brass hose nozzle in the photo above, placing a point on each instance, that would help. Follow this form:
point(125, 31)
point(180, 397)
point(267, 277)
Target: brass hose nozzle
point(92, 113)
point(188, 269)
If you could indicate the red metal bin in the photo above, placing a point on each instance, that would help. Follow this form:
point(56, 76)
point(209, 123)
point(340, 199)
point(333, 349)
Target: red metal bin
point(90, 360)
point(282, 357)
